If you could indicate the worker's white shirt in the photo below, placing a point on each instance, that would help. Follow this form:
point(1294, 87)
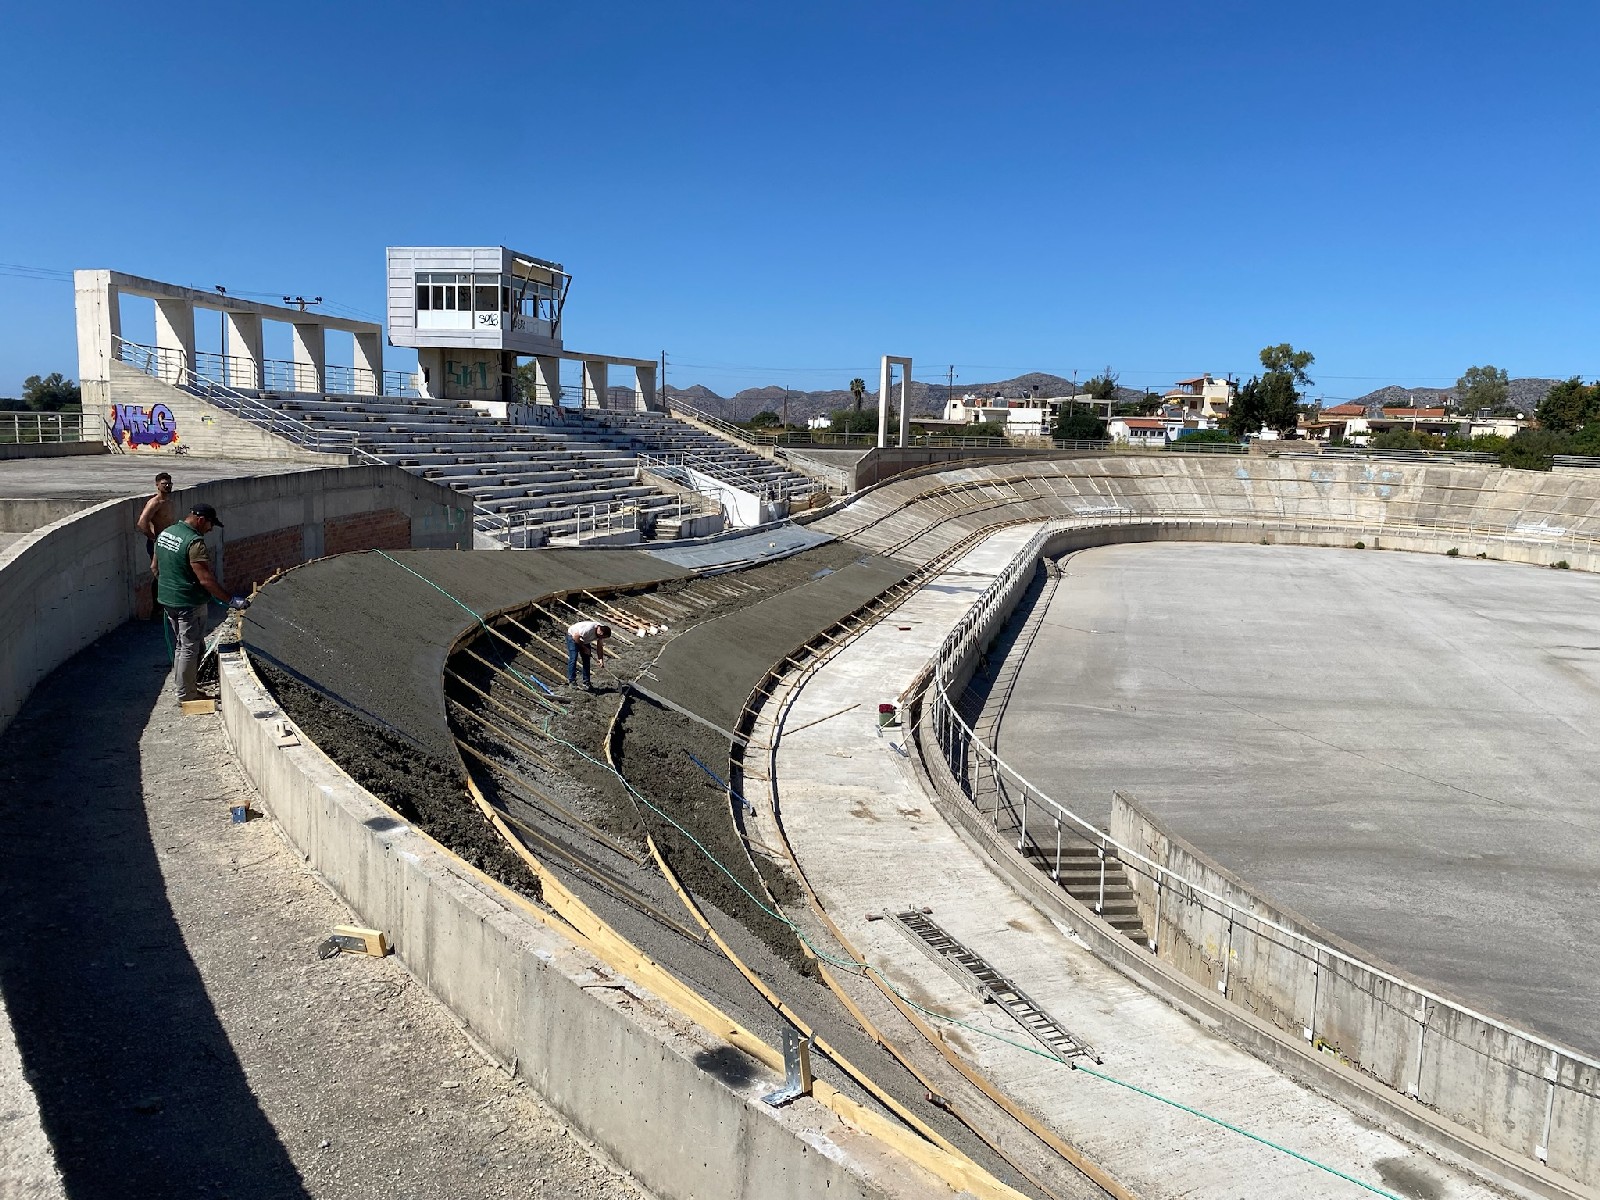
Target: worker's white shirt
point(586, 632)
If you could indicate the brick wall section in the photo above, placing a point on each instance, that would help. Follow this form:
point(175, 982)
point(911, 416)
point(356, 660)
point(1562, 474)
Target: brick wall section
point(250, 560)
point(384, 529)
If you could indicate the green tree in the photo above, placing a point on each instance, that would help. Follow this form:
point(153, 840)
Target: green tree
point(1483, 387)
point(1533, 450)
point(1285, 359)
point(1248, 412)
point(844, 420)
point(1272, 400)
point(1207, 435)
point(1568, 406)
point(1406, 439)
point(1103, 386)
point(52, 393)
point(766, 419)
point(858, 389)
point(1074, 424)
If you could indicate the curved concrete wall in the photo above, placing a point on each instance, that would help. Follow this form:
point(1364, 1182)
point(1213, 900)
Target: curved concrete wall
point(66, 584)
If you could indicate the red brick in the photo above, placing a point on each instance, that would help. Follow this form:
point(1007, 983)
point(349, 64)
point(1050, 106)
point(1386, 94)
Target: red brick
point(385, 529)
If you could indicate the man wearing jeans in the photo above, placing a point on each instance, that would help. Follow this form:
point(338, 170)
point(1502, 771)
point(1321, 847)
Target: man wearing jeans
point(585, 638)
point(184, 581)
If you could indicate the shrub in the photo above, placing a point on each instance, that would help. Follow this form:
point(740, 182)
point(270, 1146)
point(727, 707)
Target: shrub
point(1560, 565)
point(1453, 552)
point(1361, 545)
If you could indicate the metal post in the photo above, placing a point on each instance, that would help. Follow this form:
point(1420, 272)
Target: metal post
point(1100, 904)
point(1022, 825)
point(1055, 875)
point(1551, 1074)
point(1155, 928)
point(1227, 956)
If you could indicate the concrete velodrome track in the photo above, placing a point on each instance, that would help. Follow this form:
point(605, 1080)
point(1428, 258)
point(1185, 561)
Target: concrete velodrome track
point(728, 786)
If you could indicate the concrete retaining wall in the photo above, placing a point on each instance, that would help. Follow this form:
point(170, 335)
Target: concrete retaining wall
point(80, 576)
point(195, 426)
point(25, 514)
point(51, 449)
point(1469, 1069)
point(629, 1074)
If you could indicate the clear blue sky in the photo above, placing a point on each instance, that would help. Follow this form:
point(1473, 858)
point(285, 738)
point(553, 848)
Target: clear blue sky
point(780, 194)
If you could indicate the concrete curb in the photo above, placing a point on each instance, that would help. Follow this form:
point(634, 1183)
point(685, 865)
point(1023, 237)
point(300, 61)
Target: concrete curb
point(617, 1063)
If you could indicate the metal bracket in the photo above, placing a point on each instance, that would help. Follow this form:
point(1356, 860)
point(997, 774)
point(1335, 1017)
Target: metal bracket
point(796, 1069)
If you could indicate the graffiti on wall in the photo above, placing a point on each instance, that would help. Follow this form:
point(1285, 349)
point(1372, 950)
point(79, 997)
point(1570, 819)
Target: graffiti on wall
point(143, 428)
point(473, 376)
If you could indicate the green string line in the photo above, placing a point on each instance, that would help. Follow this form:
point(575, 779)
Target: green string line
point(475, 616)
point(861, 968)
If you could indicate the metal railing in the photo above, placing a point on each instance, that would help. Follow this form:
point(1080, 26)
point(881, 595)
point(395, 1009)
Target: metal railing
point(1014, 799)
point(36, 427)
point(244, 374)
point(677, 465)
point(169, 366)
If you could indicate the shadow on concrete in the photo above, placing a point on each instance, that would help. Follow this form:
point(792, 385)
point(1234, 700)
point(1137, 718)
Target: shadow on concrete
point(140, 1090)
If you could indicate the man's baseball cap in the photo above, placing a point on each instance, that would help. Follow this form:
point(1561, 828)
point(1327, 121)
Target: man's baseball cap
point(206, 511)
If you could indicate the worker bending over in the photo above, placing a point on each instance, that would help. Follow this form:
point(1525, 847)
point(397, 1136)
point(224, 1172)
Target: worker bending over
point(184, 579)
point(585, 639)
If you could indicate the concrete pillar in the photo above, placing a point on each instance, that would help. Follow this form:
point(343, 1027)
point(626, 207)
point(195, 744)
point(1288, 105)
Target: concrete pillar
point(905, 402)
point(310, 356)
point(547, 380)
point(368, 363)
point(883, 403)
point(99, 325)
point(174, 338)
point(889, 362)
point(645, 385)
point(595, 376)
point(430, 372)
point(245, 350)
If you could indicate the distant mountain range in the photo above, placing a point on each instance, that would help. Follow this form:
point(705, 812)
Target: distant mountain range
point(1525, 394)
point(929, 399)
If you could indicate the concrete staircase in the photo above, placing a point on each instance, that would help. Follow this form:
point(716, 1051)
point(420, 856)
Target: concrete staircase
point(1080, 878)
point(659, 435)
point(539, 483)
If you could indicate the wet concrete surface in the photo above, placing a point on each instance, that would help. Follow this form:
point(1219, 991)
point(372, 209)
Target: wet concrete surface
point(371, 631)
point(711, 669)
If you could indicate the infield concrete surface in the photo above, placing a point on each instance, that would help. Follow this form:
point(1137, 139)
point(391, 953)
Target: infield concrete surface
point(1398, 747)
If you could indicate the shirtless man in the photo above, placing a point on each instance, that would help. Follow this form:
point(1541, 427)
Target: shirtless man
point(157, 515)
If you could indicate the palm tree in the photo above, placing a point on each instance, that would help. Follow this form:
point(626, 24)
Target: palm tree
point(858, 389)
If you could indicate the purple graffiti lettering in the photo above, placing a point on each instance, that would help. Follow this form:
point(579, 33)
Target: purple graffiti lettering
point(135, 427)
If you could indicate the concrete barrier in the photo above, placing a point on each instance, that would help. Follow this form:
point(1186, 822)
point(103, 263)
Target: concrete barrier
point(656, 1092)
point(1531, 1098)
point(51, 449)
point(77, 578)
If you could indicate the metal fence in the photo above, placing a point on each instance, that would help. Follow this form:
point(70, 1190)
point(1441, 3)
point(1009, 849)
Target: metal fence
point(35, 427)
point(1045, 830)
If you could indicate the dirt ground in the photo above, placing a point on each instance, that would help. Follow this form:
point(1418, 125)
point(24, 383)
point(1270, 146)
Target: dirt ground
point(173, 1017)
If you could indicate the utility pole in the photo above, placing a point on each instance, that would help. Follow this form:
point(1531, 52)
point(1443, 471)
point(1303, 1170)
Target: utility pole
point(949, 388)
point(785, 406)
point(663, 392)
point(302, 302)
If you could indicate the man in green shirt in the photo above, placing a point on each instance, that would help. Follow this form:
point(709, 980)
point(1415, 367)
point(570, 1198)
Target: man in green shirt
point(184, 581)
